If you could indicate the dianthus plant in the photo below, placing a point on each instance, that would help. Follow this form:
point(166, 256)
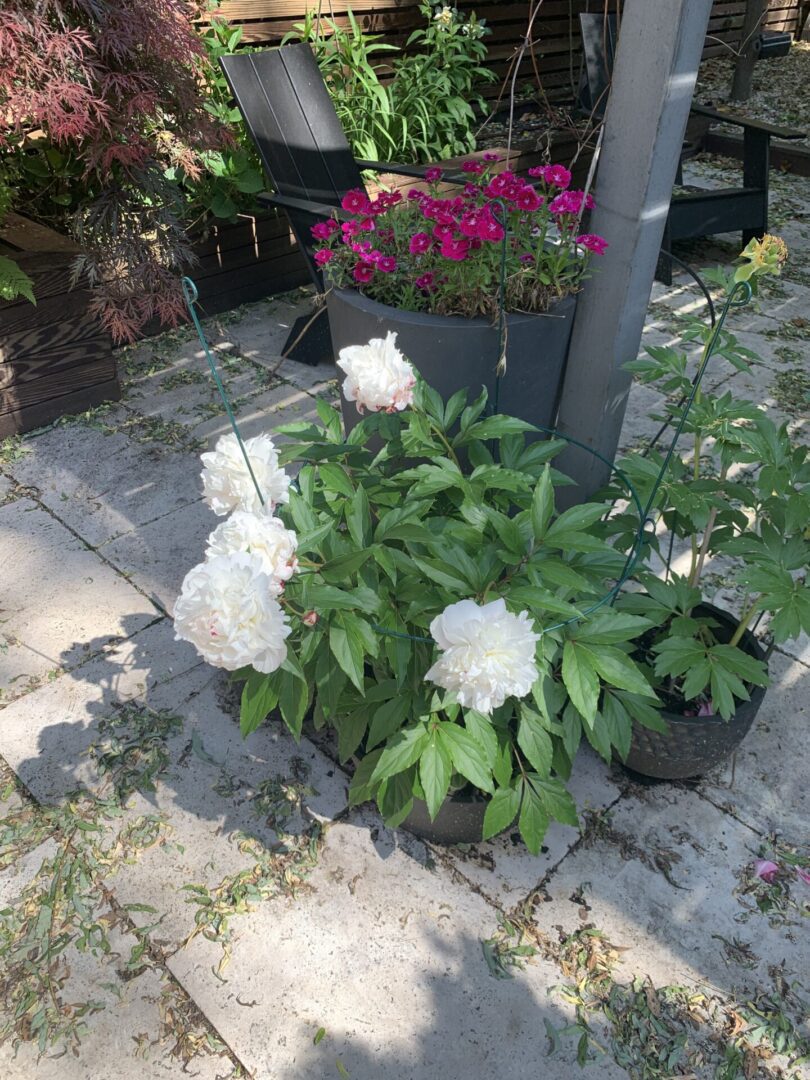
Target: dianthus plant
point(422, 621)
point(443, 251)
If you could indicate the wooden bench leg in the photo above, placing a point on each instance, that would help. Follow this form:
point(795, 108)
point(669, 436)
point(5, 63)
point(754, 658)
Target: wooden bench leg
point(663, 269)
point(756, 168)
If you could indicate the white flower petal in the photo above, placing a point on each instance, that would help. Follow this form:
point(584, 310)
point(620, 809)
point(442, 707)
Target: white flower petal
point(227, 610)
point(377, 375)
point(227, 484)
point(261, 535)
point(487, 653)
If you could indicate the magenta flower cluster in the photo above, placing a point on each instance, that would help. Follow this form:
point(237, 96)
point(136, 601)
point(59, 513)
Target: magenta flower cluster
point(441, 249)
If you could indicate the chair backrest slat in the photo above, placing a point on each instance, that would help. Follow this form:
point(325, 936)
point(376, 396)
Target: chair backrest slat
point(598, 51)
point(293, 122)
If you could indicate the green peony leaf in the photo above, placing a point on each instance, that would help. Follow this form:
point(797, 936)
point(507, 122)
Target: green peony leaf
point(401, 752)
point(435, 770)
point(534, 819)
point(581, 679)
point(467, 756)
point(259, 698)
point(501, 811)
point(542, 504)
point(534, 741)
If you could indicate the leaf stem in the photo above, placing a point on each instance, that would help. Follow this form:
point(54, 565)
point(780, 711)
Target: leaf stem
point(697, 570)
point(745, 619)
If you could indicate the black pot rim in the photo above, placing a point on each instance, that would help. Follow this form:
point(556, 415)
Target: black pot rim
point(474, 322)
point(750, 644)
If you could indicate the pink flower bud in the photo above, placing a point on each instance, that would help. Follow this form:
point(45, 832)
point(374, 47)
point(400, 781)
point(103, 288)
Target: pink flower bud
point(310, 618)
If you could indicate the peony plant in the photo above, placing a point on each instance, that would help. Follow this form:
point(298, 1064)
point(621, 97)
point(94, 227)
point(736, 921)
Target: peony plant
point(737, 489)
point(422, 601)
point(445, 254)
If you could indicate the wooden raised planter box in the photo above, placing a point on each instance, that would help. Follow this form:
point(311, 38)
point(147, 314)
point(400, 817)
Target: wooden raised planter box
point(55, 358)
point(247, 260)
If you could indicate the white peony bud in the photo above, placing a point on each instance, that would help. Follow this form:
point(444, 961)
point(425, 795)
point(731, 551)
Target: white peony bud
point(377, 375)
point(488, 654)
point(261, 535)
point(227, 610)
point(227, 484)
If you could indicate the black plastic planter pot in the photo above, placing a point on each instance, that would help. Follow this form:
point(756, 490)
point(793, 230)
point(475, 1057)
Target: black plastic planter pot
point(451, 352)
point(460, 820)
point(695, 744)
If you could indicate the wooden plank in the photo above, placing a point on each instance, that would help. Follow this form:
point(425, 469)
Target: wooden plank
point(226, 235)
point(795, 159)
point(210, 266)
point(47, 311)
point(72, 337)
point(28, 417)
point(27, 235)
point(36, 378)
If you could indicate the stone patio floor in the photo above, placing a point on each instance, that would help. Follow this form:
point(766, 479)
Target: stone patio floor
point(230, 917)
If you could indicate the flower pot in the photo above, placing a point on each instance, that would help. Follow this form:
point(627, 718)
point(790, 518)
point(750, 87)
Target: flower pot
point(460, 820)
point(695, 744)
point(451, 352)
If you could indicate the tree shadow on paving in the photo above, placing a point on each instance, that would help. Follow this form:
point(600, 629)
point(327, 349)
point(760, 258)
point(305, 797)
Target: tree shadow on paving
point(580, 1023)
point(150, 696)
point(459, 1024)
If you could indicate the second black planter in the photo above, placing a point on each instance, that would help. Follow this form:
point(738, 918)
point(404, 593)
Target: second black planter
point(451, 352)
point(695, 744)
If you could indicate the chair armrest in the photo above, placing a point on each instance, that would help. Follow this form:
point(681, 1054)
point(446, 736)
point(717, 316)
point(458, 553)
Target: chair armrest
point(416, 171)
point(748, 122)
point(307, 206)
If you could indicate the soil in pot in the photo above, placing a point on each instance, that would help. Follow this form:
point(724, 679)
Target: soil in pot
point(695, 744)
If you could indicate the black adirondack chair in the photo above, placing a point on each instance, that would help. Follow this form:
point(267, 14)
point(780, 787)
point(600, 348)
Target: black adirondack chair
point(699, 212)
point(291, 118)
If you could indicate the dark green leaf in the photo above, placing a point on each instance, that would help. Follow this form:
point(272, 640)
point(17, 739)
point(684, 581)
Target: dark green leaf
point(342, 567)
point(395, 798)
point(467, 756)
point(501, 811)
point(542, 504)
point(293, 699)
point(259, 698)
point(350, 728)
point(534, 820)
point(361, 788)
point(358, 518)
point(481, 729)
point(435, 770)
point(388, 718)
point(347, 647)
point(580, 678)
point(401, 752)
point(534, 741)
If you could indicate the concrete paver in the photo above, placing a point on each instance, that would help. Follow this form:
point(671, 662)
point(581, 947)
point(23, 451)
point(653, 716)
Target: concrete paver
point(61, 604)
point(103, 484)
point(663, 876)
point(407, 962)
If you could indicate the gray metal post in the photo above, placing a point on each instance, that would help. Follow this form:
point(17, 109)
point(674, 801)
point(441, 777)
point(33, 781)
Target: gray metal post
point(657, 57)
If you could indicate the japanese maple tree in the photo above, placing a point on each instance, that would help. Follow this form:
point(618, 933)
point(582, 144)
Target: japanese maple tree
point(98, 100)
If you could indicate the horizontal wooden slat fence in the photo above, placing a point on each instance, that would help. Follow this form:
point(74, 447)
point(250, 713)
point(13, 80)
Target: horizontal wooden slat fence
point(555, 49)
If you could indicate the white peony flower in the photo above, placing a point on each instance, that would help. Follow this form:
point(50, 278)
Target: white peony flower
point(226, 481)
point(257, 534)
point(227, 611)
point(377, 375)
point(488, 654)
